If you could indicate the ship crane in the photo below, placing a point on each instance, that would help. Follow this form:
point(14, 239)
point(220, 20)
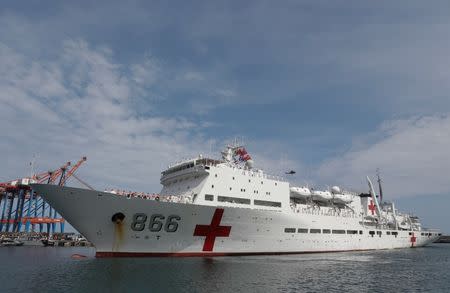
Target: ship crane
point(374, 197)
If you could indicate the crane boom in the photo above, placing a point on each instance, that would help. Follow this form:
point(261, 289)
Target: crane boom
point(71, 171)
point(55, 174)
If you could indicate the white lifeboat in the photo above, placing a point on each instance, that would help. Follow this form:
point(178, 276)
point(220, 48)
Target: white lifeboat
point(340, 197)
point(321, 195)
point(300, 192)
point(343, 198)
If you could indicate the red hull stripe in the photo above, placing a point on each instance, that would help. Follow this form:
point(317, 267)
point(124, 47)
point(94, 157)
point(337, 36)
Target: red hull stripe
point(203, 254)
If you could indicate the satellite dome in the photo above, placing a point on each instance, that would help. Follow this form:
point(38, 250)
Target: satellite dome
point(335, 189)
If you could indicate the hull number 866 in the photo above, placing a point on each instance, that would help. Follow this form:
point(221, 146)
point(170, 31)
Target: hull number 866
point(156, 222)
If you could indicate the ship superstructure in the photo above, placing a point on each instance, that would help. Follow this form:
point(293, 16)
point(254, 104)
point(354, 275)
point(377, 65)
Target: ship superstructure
point(227, 207)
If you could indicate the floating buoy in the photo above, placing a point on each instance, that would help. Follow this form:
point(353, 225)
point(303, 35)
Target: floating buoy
point(78, 256)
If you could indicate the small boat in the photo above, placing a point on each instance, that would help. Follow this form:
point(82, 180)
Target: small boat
point(319, 195)
point(10, 242)
point(48, 242)
point(341, 197)
point(300, 192)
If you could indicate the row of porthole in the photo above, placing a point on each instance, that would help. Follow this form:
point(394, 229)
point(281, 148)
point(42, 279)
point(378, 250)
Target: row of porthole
point(430, 234)
point(243, 190)
point(249, 181)
point(180, 180)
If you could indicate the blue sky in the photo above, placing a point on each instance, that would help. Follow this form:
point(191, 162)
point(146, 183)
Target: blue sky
point(331, 89)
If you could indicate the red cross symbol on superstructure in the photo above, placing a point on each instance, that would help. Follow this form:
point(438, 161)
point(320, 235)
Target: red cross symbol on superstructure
point(413, 239)
point(212, 231)
point(372, 207)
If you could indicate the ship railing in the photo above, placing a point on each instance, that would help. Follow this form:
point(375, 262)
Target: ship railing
point(323, 212)
point(152, 196)
point(257, 173)
point(214, 162)
point(430, 230)
point(182, 161)
point(199, 160)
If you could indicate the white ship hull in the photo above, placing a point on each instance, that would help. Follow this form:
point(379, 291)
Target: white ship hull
point(181, 229)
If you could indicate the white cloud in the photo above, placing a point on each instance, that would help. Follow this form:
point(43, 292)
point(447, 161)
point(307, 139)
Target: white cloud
point(146, 73)
point(413, 155)
point(194, 76)
point(76, 100)
point(81, 103)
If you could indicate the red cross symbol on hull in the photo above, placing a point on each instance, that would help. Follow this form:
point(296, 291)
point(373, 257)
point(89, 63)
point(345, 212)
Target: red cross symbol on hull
point(372, 207)
point(413, 239)
point(212, 231)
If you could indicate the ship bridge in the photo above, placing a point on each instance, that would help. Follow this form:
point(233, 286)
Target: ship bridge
point(197, 165)
point(231, 181)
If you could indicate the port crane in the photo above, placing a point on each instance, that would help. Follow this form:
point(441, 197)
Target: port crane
point(30, 208)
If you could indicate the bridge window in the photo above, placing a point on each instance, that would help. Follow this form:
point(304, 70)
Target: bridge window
point(388, 232)
point(314, 231)
point(233, 199)
point(360, 232)
point(302, 230)
point(338, 231)
point(395, 233)
point(326, 231)
point(209, 197)
point(352, 231)
point(267, 203)
point(371, 233)
point(289, 230)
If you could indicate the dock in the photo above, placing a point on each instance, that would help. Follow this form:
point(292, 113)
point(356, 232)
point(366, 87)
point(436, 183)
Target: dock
point(443, 239)
point(42, 239)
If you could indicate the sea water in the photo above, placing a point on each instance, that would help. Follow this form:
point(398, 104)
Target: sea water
point(53, 269)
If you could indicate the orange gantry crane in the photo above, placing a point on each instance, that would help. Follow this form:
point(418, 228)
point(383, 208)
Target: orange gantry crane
point(19, 192)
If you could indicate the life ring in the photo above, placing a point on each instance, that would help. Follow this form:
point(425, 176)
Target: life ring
point(157, 198)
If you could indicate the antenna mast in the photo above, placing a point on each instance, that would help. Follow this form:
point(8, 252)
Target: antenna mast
point(379, 185)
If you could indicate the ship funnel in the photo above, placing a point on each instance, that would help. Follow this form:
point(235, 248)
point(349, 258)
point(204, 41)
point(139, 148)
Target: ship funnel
point(374, 196)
